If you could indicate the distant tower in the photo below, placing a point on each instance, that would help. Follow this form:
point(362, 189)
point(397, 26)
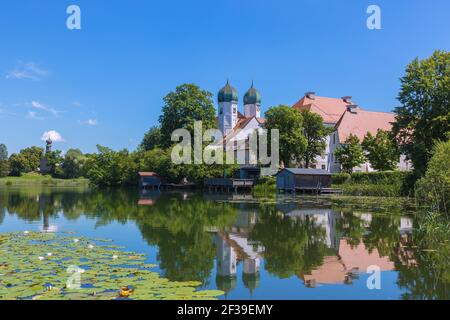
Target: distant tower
point(48, 146)
point(252, 103)
point(228, 104)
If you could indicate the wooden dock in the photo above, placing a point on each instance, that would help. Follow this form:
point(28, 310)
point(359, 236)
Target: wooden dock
point(313, 190)
point(228, 184)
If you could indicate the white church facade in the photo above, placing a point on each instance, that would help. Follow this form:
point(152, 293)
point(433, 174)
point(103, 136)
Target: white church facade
point(341, 114)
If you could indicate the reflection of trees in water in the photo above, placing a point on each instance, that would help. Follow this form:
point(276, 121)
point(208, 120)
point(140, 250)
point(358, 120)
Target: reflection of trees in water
point(424, 266)
point(178, 228)
point(292, 245)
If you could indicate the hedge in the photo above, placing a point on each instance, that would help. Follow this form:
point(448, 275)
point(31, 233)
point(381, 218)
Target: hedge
point(382, 183)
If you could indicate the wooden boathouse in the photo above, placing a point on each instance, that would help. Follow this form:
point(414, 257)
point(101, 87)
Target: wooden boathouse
point(149, 180)
point(298, 179)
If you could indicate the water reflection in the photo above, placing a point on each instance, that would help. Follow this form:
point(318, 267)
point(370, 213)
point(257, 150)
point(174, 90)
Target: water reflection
point(222, 240)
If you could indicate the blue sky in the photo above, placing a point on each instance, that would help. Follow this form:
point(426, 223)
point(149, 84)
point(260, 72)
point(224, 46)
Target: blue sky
point(104, 84)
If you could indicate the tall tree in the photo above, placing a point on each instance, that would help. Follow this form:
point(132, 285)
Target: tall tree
point(424, 114)
point(316, 136)
point(350, 154)
point(381, 150)
point(292, 141)
point(73, 164)
point(152, 139)
point(187, 104)
point(4, 163)
point(27, 160)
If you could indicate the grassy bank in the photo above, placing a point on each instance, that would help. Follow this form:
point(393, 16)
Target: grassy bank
point(34, 179)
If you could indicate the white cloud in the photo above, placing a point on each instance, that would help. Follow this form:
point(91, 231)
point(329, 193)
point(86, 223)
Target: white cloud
point(28, 71)
point(33, 115)
point(41, 106)
point(89, 122)
point(52, 135)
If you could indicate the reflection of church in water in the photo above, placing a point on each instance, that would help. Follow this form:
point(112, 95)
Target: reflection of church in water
point(233, 246)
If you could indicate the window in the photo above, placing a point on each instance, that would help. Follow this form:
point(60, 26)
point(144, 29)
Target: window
point(323, 167)
point(334, 138)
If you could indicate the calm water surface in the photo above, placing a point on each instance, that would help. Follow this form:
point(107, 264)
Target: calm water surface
point(287, 248)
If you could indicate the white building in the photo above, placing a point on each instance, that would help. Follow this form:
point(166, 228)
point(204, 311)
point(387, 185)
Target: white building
point(346, 118)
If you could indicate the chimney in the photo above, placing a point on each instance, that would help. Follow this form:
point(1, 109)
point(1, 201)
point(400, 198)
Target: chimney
point(310, 95)
point(347, 99)
point(352, 108)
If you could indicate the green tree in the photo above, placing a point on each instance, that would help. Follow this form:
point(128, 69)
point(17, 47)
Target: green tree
point(152, 139)
point(381, 150)
point(434, 188)
point(316, 136)
point(350, 154)
point(111, 168)
point(292, 141)
point(424, 114)
point(27, 160)
point(187, 104)
point(4, 163)
point(54, 161)
point(73, 164)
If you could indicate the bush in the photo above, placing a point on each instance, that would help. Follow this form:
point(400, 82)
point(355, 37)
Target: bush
point(340, 178)
point(374, 190)
point(265, 187)
point(434, 188)
point(382, 183)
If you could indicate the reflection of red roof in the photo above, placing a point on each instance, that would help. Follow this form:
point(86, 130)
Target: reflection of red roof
point(330, 109)
point(334, 269)
point(146, 202)
point(148, 174)
point(362, 122)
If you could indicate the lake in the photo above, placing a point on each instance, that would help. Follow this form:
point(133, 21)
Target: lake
point(291, 247)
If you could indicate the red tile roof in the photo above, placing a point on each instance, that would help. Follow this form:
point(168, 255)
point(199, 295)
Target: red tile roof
point(148, 174)
point(362, 122)
point(330, 109)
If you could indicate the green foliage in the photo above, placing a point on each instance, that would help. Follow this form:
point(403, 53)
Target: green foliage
point(340, 178)
point(316, 136)
point(373, 190)
point(151, 140)
point(111, 168)
point(187, 104)
point(292, 141)
point(434, 188)
point(4, 168)
point(424, 114)
point(28, 160)
point(73, 164)
point(379, 183)
point(54, 160)
point(350, 154)
point(265, 187)
point(159, 161)
point(381, 151)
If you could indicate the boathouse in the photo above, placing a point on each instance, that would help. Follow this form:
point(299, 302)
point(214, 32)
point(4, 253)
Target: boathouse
point(149, 180)
point(296, 179)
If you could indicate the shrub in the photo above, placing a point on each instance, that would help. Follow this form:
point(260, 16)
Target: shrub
point(340, 178)
point(434, 188)
point(382, 183)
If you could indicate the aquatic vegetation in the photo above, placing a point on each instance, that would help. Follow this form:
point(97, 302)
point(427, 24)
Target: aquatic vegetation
point(43, 266)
